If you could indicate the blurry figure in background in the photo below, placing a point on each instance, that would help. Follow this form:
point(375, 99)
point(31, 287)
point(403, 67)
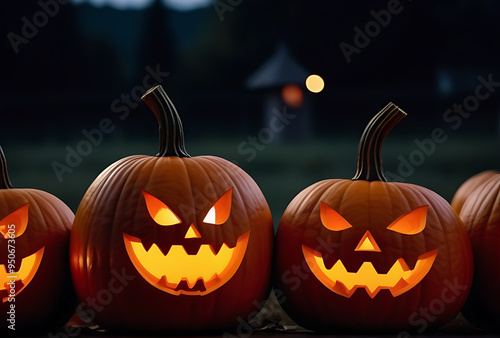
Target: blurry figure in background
point(286, 110)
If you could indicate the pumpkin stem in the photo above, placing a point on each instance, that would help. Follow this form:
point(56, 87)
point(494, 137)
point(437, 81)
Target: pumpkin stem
point(4, 179)
point(170, 126)
point(370, 166)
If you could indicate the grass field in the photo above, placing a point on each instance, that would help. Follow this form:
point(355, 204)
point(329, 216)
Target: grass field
point(282, 170)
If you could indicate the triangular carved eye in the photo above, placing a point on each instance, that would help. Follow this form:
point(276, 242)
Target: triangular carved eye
point(14, 224)
point(219, 213)
point(410, 223)
point(331, 219)
point(159, 211)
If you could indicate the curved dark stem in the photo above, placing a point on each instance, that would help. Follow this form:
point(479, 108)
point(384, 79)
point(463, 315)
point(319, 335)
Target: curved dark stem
point(170, 126)
point(4, 179)
point(370, 166)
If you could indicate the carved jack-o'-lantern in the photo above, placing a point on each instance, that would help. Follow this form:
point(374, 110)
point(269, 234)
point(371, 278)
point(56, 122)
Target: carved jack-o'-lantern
point(398, 279)
point(35, 229)
point(366, 254)
point(192, 235)
point(202, 272)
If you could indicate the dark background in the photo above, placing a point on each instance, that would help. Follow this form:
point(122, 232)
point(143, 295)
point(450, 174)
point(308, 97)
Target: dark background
point(67, 75)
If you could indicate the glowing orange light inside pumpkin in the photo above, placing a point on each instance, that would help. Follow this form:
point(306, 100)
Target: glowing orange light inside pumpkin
point(219, 213)
point(399, 279)
point(367, 243)
point(292, 96)
point(18, 218)
point(331, 219)
point(203, 272)
point(192, 232)
point(159, 211)
point(410, 223)
point(165, 272)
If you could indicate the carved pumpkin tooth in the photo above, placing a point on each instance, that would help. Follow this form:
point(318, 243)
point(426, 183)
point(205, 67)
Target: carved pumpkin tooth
point(230, 242)
point(182, 285)
point(214, 277)
point(192, 249)
point(164, 249)
point(200, 285)
point(329, 261)
point(401, 284)
point(341, 289)
point(372, 293)
point(163, 281)
point(216, 247)
point(147, 244)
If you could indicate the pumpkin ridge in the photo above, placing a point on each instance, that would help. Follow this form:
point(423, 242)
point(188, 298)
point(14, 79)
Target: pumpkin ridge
point(325, 186)
point(312, 190)
point(242, 177)
point(469, 186)
point(495, 187)
point(48, 202)
point(129, 165)
point(217, 236)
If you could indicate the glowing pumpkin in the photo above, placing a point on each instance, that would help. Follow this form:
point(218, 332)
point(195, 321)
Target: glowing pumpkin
point(36, 292)
point(481, 216)
point(193, 235)
point(367, 255)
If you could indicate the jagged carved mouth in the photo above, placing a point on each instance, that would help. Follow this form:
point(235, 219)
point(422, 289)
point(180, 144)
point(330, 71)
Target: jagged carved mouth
point(177, 272)
point(399, 279)
point(13, 282)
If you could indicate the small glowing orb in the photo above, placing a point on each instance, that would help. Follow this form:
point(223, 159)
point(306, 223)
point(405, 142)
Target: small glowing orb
point(315, 83)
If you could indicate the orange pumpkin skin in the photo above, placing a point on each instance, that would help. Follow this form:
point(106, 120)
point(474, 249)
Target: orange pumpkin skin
point(466, 189)
point(481, 216)
point(46, 301)
point(114, 205)
point(370, 205)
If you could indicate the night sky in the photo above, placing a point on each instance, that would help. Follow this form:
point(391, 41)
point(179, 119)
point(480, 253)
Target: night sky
point(424, 56)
